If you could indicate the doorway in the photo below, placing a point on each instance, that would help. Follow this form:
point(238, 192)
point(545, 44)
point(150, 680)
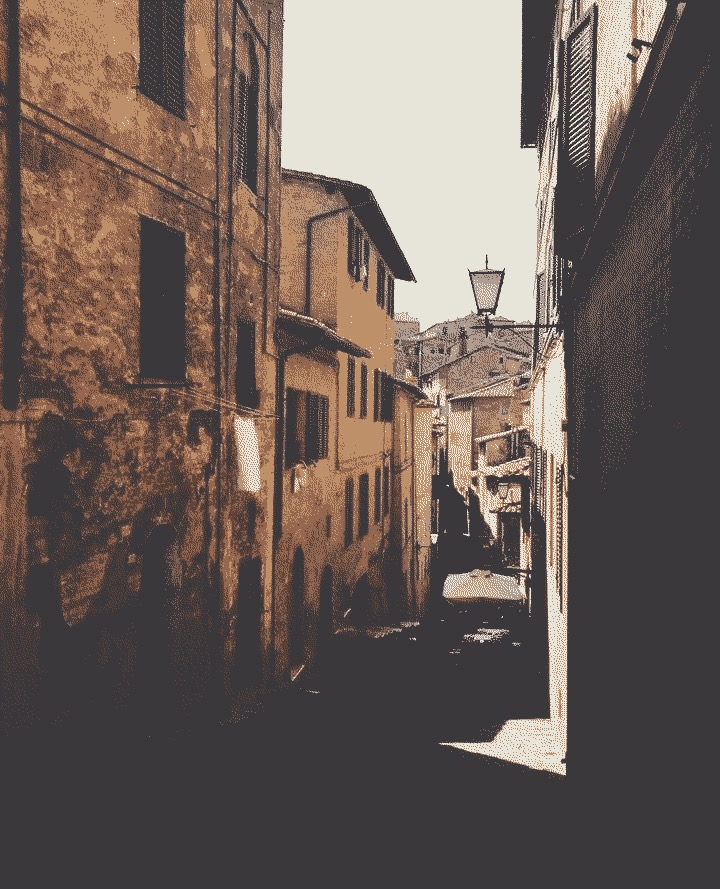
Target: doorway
point(249, 624)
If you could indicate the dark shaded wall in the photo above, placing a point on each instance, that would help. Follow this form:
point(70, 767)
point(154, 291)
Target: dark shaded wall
point(638, 310)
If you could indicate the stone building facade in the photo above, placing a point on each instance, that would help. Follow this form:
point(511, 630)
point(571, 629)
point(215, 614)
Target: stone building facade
point(140, 202)
point(334, 502)
point(623, 131)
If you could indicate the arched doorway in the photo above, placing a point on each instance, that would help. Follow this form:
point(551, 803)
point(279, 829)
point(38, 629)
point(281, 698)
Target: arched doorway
point(297, 610)
point(157, 681)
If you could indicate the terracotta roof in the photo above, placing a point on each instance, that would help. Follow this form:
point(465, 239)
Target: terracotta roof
point(303, 325)
point(501, 388)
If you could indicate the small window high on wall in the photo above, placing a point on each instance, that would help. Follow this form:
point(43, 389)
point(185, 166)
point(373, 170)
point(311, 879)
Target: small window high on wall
point(246, 101)
point(162, 301)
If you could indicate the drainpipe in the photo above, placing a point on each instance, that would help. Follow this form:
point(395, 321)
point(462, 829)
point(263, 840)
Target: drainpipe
point(308, 252)
point(14, 318)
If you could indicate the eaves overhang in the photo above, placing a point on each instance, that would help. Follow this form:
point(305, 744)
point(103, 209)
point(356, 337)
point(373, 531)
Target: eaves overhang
point(313, 331)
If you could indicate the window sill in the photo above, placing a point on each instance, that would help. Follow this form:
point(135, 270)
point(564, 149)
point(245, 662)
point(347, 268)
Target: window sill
point(158, 383)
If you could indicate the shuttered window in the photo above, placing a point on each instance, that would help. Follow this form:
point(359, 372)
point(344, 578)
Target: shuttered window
point(162, 53)
point(365, 271)
point(351, 247)
point(307, 424)
point(246, 392)
point(386, 397)
point(576, 161)
point(351, 387)
point(246, 129)
point(363, 390)
point(162, 301)
point(363, 504)
point(349, 511)
point(391, 296)
point(378, 496)
point(381, 284)
point(376, 394)
point(386, 490)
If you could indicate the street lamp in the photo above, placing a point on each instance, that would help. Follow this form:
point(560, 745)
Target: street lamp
point(502, 489)
point(487, 284)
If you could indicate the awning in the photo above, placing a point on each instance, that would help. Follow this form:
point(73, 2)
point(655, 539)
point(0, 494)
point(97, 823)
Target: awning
point(482, 586)
point(312, 330)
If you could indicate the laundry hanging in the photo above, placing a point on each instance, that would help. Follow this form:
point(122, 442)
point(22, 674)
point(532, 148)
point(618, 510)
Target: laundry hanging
point(248, 454)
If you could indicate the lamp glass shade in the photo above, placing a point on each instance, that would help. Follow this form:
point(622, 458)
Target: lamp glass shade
point(503, 488)
point(486, 285)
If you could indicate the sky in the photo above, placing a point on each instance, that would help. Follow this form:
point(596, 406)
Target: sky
point(421, 103)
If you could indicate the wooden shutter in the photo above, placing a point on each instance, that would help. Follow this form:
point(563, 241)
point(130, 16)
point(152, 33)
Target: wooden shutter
point(151, 48)
point(391, 296)
point(253, 123)
point(386, 490)
point(363, 390)
point(376, 394)
point(351, 387)
point(381, 283)
point(366, 263)
point(242, 93)
point(378, 496)
point(358, 251)
point(294, 427)
point(576, 160)
point(351, 247)
point(349, 511)
point(364, 505)
point(312, 425)
point(162, 301)
point(174, 55)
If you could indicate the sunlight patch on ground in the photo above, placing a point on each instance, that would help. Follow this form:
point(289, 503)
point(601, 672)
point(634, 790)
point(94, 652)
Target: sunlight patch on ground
point(535, 743)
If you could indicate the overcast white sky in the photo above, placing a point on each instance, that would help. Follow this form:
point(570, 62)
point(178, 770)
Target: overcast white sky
point(421, 103)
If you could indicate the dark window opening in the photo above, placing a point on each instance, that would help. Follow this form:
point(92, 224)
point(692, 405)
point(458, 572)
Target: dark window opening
point(381, 284)
point(349, 511)
point(351, 387)
point(162, 301)
point(376, 394)
point(363, 391)
point(378, 496)
point(364, 505)
point(391, 296)
point(246, 392)
point(162, 53)
point(386, 490)
point(351, 257)
point(297, 605)
point(249, 623)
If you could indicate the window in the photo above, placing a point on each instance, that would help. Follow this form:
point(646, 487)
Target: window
point(349, 510)
point(381, 284)
point(575, 194)
point(386, 490)
point(504, 409)
point(363, 504)
point(307, 427)
point(363, 390)
point(162, 301)
point(406, 523)
point(351, 387)
point(386, 397)
point(246, 392)
point(376, 394)
point(251, 519)
point(391, 296)
point(246, 101)
point(351, 255)
point(378, 496)
point(162, 53)
point(365, 267)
